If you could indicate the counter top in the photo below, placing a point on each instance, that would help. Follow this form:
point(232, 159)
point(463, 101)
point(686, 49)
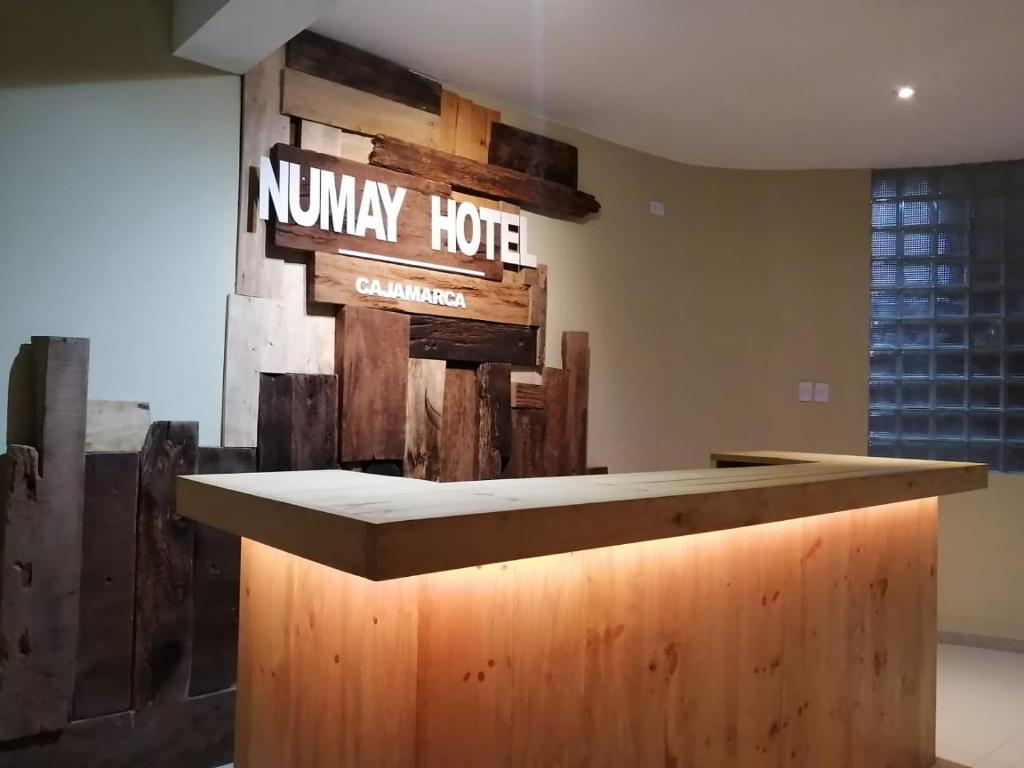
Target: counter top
point(389, 527)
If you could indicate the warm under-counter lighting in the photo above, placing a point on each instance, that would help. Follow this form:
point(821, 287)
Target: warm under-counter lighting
point(905, 92)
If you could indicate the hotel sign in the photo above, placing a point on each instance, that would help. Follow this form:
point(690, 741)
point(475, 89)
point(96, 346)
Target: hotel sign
point(318, 202)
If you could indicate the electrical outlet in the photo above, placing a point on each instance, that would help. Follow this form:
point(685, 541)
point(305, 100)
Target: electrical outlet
point(821, 392)
point(657, 208)
point(805, 391)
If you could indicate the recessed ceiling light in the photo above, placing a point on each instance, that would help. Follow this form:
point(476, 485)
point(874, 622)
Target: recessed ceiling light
point(905, 92)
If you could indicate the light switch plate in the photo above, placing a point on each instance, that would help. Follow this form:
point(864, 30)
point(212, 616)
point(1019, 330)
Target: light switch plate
point(657, 208)
point(806, 391)
point(821, 392)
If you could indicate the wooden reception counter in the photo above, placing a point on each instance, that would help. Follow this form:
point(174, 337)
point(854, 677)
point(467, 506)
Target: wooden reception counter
point(780, 611)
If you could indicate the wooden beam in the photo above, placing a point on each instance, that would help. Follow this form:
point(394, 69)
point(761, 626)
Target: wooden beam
point(335, 282)
point(527, 458)
point(471, 341)
point(116, 425)
point(313, 98)
point(533, 154)
point(103, 666)
point(413, 234)
point(372, 361)
point(526, 395)
point(557, 383)
point(164, 617)
point(347, 65)
point(41, 500)
point(459, 426)
point(466, 175)
point(494, 398)
point(216, 556)
point(298, 422)
point(424, 406)
point(576, 360)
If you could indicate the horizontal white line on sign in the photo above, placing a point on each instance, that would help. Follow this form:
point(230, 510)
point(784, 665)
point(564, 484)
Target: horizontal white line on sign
point(410, 262)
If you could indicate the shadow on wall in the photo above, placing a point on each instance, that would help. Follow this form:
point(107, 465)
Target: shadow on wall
point(21, 399)
point(48, 42)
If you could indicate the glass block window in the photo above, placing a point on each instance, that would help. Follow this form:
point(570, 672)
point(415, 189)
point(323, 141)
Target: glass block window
point(947, 314)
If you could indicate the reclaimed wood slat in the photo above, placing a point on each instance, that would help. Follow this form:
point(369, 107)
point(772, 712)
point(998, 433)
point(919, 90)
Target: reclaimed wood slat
point(216, 558)
point(116, 425)
point(328, 140)
point(459, 426)
point(536, 280)
point(347, 65)
point(576, 360)
point(335, 276)
point(253, 345)
point(471, 341)
point(103, 674)
point(424, 406)
point(263, 125)
point(372, 361)
point(557, 383)
point(195, 733)
point(527, 459)
point(449, 119)
point(314, 98)
point(413, 232)
point(473, 130)
point(298, 422)
point(494, 398)
point(164, 615)
point(545, 197)
point(533, 154)
point(526, 395)
point(41, 500)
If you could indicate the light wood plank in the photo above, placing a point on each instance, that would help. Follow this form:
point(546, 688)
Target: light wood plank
point(423, 419)
point(676, 652)
point(402, 527)
point(329, 140)
point(263, 126)
point(116, 425)
point(323, 101)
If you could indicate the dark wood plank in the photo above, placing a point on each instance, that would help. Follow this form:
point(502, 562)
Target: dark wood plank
point(372, 363)
point(459, 426)
point(424, 406)
point(103, 675)
point(527, 458)
point(333, 60)
point(556, 413)
point(41, 540)
point(298, 422)
point(576, 360)
point(195, 733)
point(533, 154)
point(466, 175)
point(413, 233)
point(471, 341)
point(527, 395)
point(494, 399)
point(217, 556)
point(164, 616)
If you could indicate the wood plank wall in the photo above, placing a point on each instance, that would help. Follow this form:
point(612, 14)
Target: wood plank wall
point(118, 617)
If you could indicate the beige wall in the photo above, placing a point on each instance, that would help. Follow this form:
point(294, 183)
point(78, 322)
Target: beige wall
point(703, 322)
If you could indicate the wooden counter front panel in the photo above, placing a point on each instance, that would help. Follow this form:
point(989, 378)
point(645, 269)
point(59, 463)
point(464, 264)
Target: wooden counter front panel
point(807, 642)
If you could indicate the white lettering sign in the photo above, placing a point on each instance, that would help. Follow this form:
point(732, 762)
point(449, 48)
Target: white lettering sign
point(406, 292)
point(371, 209)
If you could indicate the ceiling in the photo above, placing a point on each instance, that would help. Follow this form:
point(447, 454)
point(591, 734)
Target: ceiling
point(730, 83)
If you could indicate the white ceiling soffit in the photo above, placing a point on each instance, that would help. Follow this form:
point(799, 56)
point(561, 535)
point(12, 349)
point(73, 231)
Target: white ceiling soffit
point(730, 83)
